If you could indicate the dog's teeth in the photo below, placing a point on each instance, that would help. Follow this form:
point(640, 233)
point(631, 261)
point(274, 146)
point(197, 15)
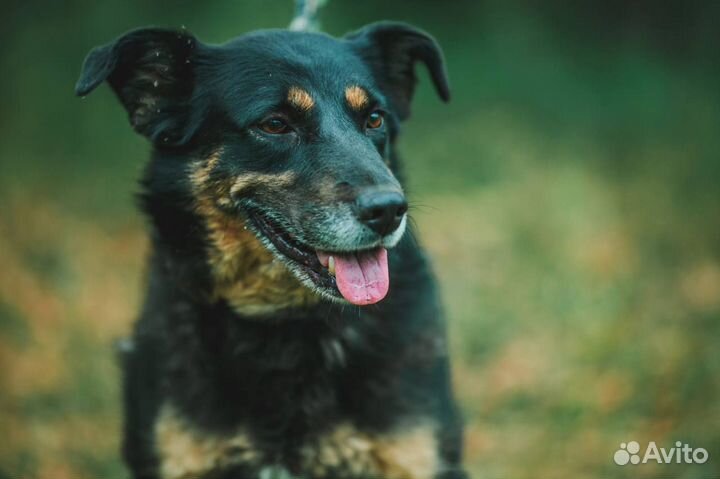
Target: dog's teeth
point(331, 266)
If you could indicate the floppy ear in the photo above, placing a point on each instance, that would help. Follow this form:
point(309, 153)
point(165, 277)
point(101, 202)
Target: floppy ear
point(151, 71)
point(392, 49)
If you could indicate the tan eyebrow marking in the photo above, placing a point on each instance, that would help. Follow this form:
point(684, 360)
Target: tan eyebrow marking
point(300, 99)
point(356, 97)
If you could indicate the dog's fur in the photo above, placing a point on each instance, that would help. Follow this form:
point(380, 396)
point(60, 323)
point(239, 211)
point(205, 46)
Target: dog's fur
point(243, 363)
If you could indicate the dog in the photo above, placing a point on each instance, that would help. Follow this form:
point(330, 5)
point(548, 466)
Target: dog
point(291, 326)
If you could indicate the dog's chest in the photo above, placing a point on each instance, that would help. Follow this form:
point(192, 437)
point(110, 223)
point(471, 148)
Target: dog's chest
point(302, 386)
point(342, 451)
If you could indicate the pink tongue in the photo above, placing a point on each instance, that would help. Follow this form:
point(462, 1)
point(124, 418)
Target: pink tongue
point(362, 278)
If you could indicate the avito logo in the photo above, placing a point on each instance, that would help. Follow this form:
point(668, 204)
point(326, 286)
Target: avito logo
point(680, 454)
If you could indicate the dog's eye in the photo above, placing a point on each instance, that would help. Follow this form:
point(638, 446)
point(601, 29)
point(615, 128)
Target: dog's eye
point(375, 120)
point(275, 126)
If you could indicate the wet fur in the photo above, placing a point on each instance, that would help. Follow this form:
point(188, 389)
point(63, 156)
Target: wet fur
point(238, 368)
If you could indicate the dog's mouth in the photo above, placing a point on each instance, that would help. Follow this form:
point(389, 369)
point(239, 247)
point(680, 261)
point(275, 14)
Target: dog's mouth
point(360, 277)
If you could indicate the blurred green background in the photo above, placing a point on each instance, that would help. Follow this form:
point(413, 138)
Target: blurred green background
point(568, 195)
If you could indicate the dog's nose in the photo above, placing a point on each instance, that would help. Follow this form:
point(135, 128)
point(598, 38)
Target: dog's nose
point(382, 211)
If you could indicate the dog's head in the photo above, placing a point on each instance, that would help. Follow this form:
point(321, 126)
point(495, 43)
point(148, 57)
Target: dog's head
point(284, 140)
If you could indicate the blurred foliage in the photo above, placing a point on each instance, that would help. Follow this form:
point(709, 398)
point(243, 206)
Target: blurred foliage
point(568, 196)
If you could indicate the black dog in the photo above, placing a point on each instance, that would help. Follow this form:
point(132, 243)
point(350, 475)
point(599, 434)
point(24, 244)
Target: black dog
point(291, 329)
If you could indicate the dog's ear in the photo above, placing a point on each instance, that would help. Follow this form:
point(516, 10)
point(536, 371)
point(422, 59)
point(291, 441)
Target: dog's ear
point(392, 49)
point(151, 71)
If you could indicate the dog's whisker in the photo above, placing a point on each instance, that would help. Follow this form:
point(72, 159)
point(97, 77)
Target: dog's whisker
point(422, 207)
